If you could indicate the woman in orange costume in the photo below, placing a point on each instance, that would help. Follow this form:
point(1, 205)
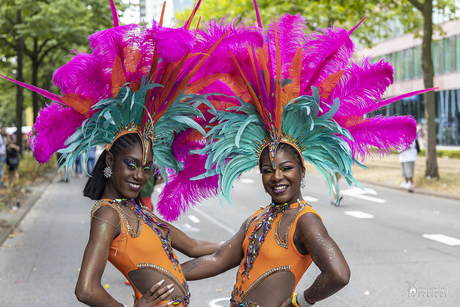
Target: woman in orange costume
point(301, 99)
point(271, 262)
point(129, 235)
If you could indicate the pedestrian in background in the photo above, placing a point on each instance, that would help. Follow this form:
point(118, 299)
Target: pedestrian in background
point(91, 160)
point(2, 154)
point(407, 159)
point(78, 167)
point(421, 133)
point(12, 158)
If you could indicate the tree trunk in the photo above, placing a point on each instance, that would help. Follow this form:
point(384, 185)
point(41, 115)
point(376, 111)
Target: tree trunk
point(35, 98)
point(430, 103)
point(35, 67)
point(19, 89)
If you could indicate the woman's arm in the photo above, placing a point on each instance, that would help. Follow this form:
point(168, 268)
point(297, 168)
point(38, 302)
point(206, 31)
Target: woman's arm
point(191, 247)
point(228, 256)
point(105, 226)
point(335, 272)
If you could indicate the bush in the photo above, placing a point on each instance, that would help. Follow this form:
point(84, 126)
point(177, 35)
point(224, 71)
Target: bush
point(29, 169)
point(443, 153)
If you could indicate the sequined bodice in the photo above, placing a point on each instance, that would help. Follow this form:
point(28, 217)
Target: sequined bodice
point(145, 248)
point(276, 252)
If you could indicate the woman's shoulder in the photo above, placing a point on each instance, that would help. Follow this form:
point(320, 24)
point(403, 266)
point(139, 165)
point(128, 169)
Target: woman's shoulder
point(104, 205)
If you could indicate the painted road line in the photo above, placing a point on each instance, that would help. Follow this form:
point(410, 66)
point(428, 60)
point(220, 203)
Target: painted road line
point(310, 199)
point(442, 239)
point(187, 228)
point(193, 218)
point(359, 214)
point(213, 303)
point(215, 222)
point(358, 193)
point(246, 180)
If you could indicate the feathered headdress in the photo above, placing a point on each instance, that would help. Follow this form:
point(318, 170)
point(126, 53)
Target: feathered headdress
point(304, 90)
point(133, 81)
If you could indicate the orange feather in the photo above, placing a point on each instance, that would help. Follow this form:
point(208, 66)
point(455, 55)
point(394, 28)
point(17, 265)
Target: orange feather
point(132, 58)
point(79, 103)
point(327, 85)
point(293, 89)
point(118, 76)
point(200, 84)
point(279, 105)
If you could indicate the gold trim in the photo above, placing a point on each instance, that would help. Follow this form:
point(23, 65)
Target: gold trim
point(285, 242)
point(164, 271)
point(128, 224)
point(262, 278)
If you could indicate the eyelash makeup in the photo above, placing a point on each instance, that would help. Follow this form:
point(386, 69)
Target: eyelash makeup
point(131, 163)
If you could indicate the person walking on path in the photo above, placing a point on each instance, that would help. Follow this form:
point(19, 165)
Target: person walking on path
point(407, 159)
point(12, 159)
point(2, 154)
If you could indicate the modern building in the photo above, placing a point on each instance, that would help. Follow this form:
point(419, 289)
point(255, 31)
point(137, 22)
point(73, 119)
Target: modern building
point(151, 10)
point(404, 52)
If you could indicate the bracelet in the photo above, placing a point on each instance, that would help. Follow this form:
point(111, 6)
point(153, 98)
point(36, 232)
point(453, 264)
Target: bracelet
point(294, 299)
point(302, 302)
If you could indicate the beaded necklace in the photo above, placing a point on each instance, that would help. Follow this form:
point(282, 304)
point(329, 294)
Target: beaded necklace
point(255, 243)
point(146, 216)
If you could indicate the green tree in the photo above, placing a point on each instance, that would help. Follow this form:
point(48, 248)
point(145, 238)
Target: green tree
point(425, 29)
point(43, 31)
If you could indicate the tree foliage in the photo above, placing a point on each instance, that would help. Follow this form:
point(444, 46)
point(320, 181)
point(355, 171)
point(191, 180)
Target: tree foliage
point(49, 29)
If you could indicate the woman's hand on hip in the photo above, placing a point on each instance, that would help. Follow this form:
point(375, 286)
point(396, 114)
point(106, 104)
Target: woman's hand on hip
point(155, 295)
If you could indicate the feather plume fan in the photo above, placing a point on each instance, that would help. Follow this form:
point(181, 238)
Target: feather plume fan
point(303, 87)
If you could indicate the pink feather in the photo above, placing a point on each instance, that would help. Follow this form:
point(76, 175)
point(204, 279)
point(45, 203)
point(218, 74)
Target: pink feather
point(84, 75)
point(114, 13)
point(174, 43)
point(327, 51)
point(181, 193)
point(361, 86)
point(54, 125)
point(40, 91)
point(291, 36)
point(381, 134)
point(388, 101)
point(107, 44)
point(236, 41)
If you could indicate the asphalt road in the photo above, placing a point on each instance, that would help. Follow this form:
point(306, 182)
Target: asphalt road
point(403, 249)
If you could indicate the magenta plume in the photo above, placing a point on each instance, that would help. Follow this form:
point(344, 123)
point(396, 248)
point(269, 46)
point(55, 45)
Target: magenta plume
point(174, 43)
point(328, 51)
point(384, 133)
point(84, 74)
point(53, 127)
point(181, 193)
point(362, 86)
point(114, 14)
point(38, 90)
point(388, 101)
point(291, 36)
point(259, 22)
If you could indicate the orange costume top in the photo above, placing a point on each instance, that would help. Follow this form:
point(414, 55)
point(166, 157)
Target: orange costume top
point(146, 248)
point(276, 253)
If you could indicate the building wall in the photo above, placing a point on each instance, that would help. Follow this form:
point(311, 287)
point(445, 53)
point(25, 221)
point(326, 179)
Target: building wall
point(151, 10)
point(404, 53)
